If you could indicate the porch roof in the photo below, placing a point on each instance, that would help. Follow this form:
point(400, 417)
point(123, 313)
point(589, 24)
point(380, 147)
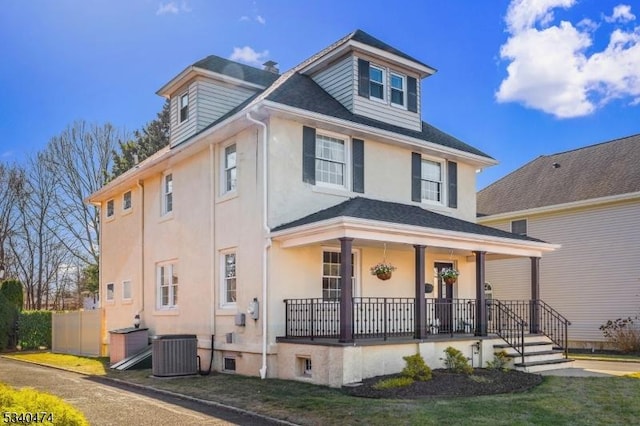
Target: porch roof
point(376, 220)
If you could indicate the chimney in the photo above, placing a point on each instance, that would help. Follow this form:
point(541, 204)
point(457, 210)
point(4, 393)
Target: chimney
point(271, 67)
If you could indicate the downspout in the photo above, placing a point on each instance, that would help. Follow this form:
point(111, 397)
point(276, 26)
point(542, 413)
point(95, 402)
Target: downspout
point(140, 185)
point(267, 243)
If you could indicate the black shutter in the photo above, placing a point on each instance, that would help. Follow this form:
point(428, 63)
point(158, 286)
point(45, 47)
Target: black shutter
point(412, 94)
point(416, 177)
point(452, 173)
point(363, 78)
point(309, 155)
point(357, 158)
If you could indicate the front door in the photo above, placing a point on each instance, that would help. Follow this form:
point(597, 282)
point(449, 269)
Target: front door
point(444, 305)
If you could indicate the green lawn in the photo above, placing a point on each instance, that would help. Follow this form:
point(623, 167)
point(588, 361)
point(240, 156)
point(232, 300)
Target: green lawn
point(557, 401)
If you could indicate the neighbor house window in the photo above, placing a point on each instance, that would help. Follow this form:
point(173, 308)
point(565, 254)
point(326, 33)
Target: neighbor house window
point(126, 200)
point(519, 227)
point(184, 107)
point(431, 181)
point(126, 290)
point(229, 281)
point(167, 285)
point(230, 171)
point(110, 292)
point(167, 193)
point(110, 209)
point(331, 282)
point(330, 160)
point(376, 82)
point(398, 89)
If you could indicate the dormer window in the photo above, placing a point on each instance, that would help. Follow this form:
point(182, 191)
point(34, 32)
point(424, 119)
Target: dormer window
point(184, 107)
point(397, 89)
point(376, 82)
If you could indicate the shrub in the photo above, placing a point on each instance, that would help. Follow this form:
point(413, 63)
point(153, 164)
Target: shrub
point(34, 329)
point(500, 361)
point(12, 290)
point(456, 362)
point(393, 382)
point(8, 315)
point(49, 408)
point(416, 368)
point(623, 334)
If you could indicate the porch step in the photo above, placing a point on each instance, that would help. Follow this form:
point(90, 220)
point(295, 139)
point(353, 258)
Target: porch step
point(537, 366)
point(537, 356)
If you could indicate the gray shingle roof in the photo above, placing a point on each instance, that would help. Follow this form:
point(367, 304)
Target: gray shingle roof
point(236, 70)
point(300, 91)
point(605, 169)
point(362, 37)
point(384, 211)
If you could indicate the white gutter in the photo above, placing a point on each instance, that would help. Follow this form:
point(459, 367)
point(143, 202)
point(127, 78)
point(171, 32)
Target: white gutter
point(267, 243)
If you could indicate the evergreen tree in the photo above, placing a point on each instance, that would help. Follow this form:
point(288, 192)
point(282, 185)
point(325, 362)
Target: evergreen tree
point(145, 143)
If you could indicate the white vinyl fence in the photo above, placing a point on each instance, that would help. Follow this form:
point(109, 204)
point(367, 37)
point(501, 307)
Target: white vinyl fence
point(77, 332)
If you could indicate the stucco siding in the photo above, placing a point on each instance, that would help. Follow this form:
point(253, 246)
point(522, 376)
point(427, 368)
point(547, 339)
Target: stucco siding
point(594, 277)
point(338, 81)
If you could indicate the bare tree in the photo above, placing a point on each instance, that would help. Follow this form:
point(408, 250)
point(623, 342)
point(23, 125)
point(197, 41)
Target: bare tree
point(35, 245)
point(80, 160)
point(11, 189)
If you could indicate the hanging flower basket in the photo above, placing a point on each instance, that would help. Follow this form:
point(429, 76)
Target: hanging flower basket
point(449, 275)
point(382, 270)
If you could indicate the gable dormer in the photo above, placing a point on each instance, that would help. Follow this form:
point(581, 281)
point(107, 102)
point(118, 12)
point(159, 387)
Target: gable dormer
point(207, 90)
point(372, 79)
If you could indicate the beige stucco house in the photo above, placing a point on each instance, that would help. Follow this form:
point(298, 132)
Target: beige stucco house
point(587, 200)
point(278, 188)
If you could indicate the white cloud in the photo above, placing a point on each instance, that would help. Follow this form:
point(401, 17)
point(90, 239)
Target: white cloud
point(249, 56)
point(244, 18)
point(261, 20)
point(549, 68)
point(172, 7)
point(621, 13)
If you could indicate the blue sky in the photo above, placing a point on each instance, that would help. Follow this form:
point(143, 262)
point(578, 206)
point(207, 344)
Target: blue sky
point(517, 79)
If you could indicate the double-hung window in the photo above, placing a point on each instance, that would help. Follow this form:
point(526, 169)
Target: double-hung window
point(110, 209)
point(431, 181)
point(331, 280)
point(126, 201)
point(330, 160)
point(184, 107)
point(167, 285)
point(230, 169)
point(111, 288)
point(229, 279)
point(376, 82)
point(398, 90)
point(519, 226)
point(167, 193)
point(126, 290)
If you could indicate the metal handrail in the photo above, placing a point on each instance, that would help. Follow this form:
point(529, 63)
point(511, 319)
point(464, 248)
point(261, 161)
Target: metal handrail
point(553, 325)
point(508, 325)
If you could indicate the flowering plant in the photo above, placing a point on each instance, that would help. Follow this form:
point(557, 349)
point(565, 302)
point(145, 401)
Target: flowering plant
point(382, 268)
point(449, 273)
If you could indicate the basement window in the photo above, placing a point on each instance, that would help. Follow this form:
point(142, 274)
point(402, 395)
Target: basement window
point(304, 367)
point(229, 364)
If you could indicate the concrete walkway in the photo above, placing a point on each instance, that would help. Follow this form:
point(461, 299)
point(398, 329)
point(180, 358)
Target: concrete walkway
point(593, 368)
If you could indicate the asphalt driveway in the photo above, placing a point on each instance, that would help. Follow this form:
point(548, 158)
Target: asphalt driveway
point(105, 402)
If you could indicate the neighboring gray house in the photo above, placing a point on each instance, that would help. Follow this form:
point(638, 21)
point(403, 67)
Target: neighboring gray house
point(588, 201)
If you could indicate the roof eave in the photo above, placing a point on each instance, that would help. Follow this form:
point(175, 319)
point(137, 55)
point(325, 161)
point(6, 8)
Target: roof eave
point(193, 71)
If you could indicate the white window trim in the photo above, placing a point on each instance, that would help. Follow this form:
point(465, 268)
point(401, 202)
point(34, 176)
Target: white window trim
point(404, 90)
point(130, 298)
point(163, 196)
point(223, 283)
point(113, 210)
point(385, 84)
point(180, 106)
point(223, 171)
point(111, 299)
point(127, 209)
point(347, 162)
point(170, 307)
point(443, 182)
point(357, 282)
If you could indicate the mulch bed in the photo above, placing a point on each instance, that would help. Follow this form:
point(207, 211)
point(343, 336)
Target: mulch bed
point(447, 384)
